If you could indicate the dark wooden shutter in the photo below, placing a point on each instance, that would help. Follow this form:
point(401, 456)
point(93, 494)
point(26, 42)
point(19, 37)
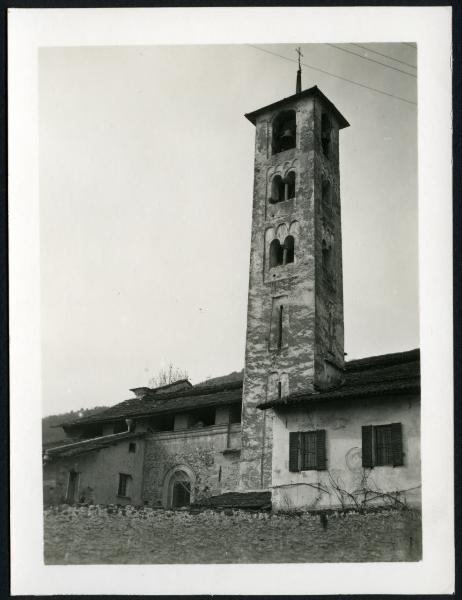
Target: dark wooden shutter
point(294, 445)
point(397, 444)
point(321, 457)
point(367, 446)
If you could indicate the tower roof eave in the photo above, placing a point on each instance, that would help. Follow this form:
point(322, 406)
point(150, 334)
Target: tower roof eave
point(313, 91)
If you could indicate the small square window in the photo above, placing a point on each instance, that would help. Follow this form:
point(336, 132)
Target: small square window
point(132, 447)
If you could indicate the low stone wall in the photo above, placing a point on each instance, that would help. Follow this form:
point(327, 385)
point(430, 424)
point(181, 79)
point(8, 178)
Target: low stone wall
point(121, 535)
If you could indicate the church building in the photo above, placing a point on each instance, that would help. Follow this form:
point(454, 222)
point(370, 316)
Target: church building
point(301, 428)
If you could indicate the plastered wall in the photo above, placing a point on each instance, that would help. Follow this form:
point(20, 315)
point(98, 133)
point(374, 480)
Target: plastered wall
point(98, 475)
point(342, 421)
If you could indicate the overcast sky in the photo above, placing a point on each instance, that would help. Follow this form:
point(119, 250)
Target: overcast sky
point(146, 175)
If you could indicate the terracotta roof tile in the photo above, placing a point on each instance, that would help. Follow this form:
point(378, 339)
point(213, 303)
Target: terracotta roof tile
point(372, 376)
point(91, 445)
point(368, 377)
point(152, 404)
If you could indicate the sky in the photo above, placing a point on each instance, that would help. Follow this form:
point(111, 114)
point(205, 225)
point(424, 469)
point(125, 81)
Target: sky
point(146, 176)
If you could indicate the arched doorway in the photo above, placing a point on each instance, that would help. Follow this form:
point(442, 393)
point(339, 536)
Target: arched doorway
point(178, 489)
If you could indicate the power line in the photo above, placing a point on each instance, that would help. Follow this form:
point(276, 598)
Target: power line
point(362, 85)
point(371, 60)
point(413, 46)
point(385, 55)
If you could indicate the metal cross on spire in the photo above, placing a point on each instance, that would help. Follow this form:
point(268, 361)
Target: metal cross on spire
point(299, 52)
point(298, 88)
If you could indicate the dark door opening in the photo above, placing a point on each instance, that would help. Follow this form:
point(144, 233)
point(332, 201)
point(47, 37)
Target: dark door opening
point(181, 494)
point(72, 486)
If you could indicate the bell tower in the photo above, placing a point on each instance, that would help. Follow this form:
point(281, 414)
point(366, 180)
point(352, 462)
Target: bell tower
point(294, 340)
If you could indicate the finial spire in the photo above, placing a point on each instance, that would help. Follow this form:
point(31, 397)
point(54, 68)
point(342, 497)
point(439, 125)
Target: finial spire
point(298, 89)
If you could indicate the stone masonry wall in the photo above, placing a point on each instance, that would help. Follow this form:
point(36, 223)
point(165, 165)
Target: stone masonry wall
point(313, 313)
point(108, 535)
point(329, 330)
point(209, 456)
point(296, 281)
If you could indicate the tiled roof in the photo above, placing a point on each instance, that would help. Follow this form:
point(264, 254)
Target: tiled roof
point(397, 373)
point(91, 445)
point(238, 500)
point(372, 376)
point(150, 404)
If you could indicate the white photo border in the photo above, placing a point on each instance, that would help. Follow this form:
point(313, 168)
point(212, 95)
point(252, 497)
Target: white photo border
point(430, 28)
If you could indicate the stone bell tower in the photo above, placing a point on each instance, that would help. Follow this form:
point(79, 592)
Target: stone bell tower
point(294, 337)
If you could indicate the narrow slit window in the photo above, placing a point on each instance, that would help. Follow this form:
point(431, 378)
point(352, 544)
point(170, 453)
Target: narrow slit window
point(280, 326)
point(279, 389)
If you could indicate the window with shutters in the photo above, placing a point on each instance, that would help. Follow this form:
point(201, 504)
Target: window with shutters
point(382, 445)
point(307, 450)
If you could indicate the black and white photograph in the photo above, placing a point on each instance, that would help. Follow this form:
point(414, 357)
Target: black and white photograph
point(228, 270)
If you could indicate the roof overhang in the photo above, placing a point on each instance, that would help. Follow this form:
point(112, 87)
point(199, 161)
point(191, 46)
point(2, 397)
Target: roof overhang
point(310, 398)
point(313, 91)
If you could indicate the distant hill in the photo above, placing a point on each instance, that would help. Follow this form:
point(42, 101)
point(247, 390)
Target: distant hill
point(51, 434)
point(232, 377)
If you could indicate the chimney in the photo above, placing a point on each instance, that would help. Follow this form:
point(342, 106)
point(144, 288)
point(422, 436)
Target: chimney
point(299, 81)
point(140, 392)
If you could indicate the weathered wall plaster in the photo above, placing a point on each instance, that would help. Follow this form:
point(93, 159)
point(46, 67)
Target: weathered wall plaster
point(98, 475)
point(342, 421)
point(313, 326)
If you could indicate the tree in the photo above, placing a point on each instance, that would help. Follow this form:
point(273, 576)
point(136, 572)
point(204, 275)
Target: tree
point(167, 375)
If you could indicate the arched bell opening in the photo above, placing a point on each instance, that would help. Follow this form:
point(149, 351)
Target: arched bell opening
point(284, 131)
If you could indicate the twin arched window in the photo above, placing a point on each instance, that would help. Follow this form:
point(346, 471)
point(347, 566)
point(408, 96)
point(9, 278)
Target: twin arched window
point(282, 254)
point(282, 189)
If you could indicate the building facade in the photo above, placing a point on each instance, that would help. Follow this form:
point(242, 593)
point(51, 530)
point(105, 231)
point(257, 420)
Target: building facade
point(301, 424)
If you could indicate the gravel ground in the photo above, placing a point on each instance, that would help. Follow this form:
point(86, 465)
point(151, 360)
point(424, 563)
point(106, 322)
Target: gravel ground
point(111, 535)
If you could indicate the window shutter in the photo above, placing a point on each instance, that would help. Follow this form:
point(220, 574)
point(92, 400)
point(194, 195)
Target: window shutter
point(294, 445)
point(397, 444)
point(367, 446)
point(321, 457)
